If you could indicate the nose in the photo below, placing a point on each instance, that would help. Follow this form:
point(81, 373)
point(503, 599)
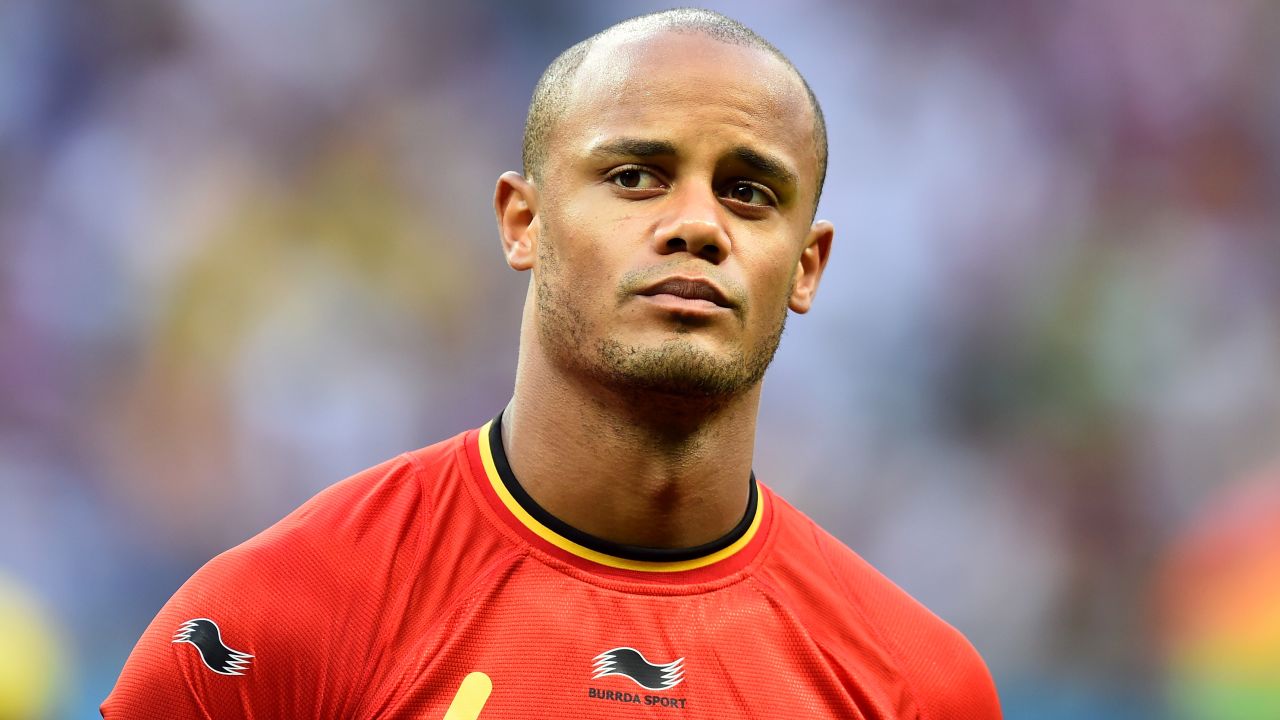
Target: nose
point(695, 226)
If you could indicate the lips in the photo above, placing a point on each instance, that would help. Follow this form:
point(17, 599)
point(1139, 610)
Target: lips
point(689, 289)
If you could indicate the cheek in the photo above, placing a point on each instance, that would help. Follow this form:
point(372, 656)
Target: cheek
point(574, 269)
point(773, 281)
point(595, 244)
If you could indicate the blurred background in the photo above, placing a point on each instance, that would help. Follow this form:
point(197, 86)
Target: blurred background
point(247, 249)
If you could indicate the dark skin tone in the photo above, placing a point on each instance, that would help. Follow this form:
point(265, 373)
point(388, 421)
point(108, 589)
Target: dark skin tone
point(682, 160)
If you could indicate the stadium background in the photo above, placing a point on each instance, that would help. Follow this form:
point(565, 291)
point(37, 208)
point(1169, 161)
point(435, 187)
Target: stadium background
point(246, 249)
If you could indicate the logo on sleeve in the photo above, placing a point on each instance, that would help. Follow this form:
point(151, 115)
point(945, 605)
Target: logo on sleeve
point(628, 662)
point(204, 634)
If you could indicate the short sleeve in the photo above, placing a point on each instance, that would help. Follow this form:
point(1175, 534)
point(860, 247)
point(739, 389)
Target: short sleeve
point(943, 672)
point(282, 625)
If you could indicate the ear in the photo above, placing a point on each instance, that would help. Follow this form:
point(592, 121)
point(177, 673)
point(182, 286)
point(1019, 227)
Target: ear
point(813, 260)
point(515, 202)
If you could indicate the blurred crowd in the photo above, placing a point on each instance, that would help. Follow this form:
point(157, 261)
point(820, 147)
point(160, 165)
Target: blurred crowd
point(247, 249)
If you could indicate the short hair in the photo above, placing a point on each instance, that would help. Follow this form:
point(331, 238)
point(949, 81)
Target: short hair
point(551, 94)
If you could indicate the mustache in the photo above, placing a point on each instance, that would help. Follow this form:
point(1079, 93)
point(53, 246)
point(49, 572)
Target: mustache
point(637, 281)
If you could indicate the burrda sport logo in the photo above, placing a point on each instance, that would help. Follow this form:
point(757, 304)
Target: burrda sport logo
point(629, 663)
point(205, 635)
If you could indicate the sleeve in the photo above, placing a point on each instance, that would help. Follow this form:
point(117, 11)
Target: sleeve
point(943, 672)
point(282, 625)
point(950, 677)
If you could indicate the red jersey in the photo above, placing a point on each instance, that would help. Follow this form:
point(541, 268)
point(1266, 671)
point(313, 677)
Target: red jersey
point(431, 586)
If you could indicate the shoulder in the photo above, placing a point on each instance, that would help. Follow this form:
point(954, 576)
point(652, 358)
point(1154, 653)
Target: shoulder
point(298, 605)
point(341, 533)
point(854, 611)
point(356, 529)
point(355, 543)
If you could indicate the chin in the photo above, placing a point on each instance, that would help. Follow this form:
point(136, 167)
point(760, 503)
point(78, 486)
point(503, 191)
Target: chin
point(677, 367)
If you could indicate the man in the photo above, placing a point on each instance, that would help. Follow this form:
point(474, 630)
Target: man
point(600, 549)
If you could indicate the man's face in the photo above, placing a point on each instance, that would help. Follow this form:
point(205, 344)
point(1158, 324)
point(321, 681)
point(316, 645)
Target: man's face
point(673, 220)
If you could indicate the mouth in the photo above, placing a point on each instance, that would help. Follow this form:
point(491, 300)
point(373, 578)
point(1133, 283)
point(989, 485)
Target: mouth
point(686, 291)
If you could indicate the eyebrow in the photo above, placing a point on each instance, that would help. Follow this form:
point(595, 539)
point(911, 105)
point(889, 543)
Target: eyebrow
point(766, 165)
point(633, 147)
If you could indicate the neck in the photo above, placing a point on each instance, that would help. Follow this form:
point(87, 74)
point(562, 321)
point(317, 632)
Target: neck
point(670, 472)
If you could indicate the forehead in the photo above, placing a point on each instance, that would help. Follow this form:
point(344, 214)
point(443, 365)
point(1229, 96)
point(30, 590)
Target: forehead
point(692, 88)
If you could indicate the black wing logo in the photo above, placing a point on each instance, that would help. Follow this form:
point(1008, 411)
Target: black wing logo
point(204, 634)
point(628, 662)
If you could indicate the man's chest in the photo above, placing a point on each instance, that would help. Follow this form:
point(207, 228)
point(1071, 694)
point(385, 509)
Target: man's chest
point(541, 645)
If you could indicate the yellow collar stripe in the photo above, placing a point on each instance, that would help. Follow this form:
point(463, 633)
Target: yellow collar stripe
point(551, 536)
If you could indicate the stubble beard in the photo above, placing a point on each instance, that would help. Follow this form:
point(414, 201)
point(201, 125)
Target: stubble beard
point(677, 368)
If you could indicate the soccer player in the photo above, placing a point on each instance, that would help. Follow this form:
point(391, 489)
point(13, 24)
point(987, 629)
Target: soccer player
point(601, 548)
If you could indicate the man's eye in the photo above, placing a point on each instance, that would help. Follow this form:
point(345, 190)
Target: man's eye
point(749, 194)
point(635, 179)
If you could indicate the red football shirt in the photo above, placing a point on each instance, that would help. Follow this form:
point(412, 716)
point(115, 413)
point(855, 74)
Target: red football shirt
point(431, 586)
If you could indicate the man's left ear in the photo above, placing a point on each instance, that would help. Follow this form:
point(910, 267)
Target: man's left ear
point(515, 202)
point(813, 259)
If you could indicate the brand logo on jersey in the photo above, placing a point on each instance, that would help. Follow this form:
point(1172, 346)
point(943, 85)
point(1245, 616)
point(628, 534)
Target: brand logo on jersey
point(204, 634)
point(628, 662)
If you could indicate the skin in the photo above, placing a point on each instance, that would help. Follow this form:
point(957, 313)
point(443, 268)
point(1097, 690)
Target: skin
point(633, 417)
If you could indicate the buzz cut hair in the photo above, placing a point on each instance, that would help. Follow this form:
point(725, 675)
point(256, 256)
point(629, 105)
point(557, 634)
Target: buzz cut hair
point(551, 94)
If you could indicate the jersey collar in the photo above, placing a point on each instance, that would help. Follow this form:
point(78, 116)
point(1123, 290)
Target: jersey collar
point(541, 528)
